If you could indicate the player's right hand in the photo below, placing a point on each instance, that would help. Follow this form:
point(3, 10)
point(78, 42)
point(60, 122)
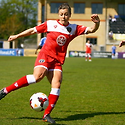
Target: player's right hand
point(11, 38)
point(121, 43)
point(95, 18)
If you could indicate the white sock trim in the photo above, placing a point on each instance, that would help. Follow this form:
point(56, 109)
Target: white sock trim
point(31, 79)
point(55, 91)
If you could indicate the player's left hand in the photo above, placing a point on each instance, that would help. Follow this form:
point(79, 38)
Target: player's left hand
point(121, 43)
point(36, 52)
point(95, 18)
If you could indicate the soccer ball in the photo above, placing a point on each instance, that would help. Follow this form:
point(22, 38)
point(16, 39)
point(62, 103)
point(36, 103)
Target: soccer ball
point(39, 101)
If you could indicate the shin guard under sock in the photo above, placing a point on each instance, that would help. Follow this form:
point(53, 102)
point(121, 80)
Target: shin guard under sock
point(22, 82)
point(53, 98)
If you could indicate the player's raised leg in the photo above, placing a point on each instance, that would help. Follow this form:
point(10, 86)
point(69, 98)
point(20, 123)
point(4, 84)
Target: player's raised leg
point(24, 81)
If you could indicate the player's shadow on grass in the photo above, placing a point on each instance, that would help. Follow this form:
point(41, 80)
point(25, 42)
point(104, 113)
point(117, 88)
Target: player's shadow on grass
point(86, 115)
point(35, 118)
point(80, 116)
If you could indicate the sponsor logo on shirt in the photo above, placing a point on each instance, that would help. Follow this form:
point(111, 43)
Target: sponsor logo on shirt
point(61, 40)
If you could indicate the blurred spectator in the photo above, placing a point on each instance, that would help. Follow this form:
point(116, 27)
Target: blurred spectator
point(113, 19)
point(113, 51)
point(110, 35)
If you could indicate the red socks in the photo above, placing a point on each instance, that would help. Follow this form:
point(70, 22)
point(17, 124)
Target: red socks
point(22, 82)
point(53, 97)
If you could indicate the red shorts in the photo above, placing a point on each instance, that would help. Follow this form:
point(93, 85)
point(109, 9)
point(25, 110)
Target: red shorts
point(47, 62)
point(88, 51)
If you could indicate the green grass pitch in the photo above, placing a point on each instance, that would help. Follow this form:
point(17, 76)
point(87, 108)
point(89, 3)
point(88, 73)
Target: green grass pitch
point(92, 93)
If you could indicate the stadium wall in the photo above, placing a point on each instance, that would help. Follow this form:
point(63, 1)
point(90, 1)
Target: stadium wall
point(78, 44)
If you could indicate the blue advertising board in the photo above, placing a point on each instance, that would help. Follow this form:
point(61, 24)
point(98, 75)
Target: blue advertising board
point(12, 52)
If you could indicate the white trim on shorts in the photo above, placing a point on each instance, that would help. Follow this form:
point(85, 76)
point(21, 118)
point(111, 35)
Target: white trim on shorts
point(47, 68)
point(41, 66)
point(55, 70)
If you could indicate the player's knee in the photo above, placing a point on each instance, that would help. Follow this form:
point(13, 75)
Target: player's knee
point(38, 77)
point(39, 73)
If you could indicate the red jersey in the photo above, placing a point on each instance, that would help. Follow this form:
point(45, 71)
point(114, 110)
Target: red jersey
point(58, 37)
point(88, 48)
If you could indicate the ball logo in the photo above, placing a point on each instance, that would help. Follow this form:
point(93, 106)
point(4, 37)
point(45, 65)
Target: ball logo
point(61, 40)
point(35, 105)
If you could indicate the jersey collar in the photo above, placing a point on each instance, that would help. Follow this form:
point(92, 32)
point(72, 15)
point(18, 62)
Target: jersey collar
point(62, 24)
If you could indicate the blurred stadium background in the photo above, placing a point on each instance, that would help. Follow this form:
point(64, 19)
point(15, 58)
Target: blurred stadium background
point(111, 30)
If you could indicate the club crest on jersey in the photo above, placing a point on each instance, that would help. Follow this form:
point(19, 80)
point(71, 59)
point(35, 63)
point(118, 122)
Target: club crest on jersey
point(61, 40)
point(41, 61)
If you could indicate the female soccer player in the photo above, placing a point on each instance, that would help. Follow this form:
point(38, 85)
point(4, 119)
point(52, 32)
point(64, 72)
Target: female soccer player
point(52, 56)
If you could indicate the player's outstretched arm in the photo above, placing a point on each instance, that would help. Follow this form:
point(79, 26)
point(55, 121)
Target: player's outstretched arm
point(39, 47)
point(95, 18)
point(27, 32)
point(121, 43)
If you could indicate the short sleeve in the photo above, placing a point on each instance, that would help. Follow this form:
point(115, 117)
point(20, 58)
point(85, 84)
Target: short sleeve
point(41, 28)
point(81, 29)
